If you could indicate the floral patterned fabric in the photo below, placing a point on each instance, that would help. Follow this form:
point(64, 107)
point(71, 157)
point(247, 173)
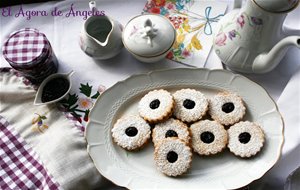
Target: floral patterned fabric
point(56, 140)
point(194, 22)
point(80, 102)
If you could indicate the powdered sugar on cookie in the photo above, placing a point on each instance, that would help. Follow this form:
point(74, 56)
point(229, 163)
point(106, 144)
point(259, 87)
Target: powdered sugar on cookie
point(245, 139)
point(131, 132)
point(190, 105)
point(172, 157)
point(226, 108)
point(156, 106)
point(208, 137)
point(171, 128)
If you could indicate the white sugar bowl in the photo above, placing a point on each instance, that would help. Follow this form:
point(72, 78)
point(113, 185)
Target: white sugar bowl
point(149, 37)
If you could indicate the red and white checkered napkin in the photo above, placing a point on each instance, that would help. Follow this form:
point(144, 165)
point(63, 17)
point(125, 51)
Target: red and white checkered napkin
point(26, 47)
point(20, 167)
point(40, 147)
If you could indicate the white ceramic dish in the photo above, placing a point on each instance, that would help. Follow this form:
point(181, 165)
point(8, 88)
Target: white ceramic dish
point(136, 170)
point(38, 96)
point(149, 37)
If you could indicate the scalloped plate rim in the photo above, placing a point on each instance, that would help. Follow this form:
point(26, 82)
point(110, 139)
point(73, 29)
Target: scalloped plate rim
point(237, 184)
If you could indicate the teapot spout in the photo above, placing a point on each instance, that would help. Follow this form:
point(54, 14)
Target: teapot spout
point(265, 62)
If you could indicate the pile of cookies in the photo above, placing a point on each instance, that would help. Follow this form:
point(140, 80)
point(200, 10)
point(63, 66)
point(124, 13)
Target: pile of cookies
point(181, 125)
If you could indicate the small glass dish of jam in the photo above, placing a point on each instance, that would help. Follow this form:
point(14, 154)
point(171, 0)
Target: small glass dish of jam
point(54, 88)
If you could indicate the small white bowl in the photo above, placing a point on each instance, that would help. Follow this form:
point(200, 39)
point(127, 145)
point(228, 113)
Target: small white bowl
point(149, 37)
point(38, 97)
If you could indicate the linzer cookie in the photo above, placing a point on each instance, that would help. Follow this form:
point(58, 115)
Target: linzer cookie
point(131, 132)
point(190, 105)
point(227, 108)
point(172, 156)
point(245, 139)
point(156, 106)
point(170, 128)
point(29, 52)
point(208, 137)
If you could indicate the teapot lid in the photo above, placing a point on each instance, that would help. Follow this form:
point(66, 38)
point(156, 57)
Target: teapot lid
point(277, 6)
point(149, 35)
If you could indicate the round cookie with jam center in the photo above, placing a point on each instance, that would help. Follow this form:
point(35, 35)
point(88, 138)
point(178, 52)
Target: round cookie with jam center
point(190, 105)
point(227, 108)
point(156, 106)
point(170, 128)
point(208, 137)
point(131, 132)
point(172, 156)
point(245, 139)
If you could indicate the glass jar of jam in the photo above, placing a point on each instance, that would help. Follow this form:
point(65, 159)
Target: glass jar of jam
point(29, 52)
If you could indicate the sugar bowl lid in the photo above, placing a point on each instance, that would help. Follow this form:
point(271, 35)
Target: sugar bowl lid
point(26, 47)
point(277, 6)
point(148, 35)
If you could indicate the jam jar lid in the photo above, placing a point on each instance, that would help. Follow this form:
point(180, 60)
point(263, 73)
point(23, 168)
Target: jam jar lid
point(277, 6)
point(26, 48)
point(148, 35)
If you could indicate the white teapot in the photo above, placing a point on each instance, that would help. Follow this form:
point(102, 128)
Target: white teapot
point(252, 39)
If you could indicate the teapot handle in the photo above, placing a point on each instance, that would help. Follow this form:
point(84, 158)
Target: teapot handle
point(290, 31)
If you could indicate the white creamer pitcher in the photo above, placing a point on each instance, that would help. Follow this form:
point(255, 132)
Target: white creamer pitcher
point(101, 36)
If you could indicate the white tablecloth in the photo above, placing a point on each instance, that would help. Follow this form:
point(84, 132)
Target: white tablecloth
point(283, 83)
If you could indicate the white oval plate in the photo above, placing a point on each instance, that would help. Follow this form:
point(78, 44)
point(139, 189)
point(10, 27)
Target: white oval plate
point(136, 170)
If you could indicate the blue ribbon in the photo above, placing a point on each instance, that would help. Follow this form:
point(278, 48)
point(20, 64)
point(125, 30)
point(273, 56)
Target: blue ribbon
point(207, 27)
